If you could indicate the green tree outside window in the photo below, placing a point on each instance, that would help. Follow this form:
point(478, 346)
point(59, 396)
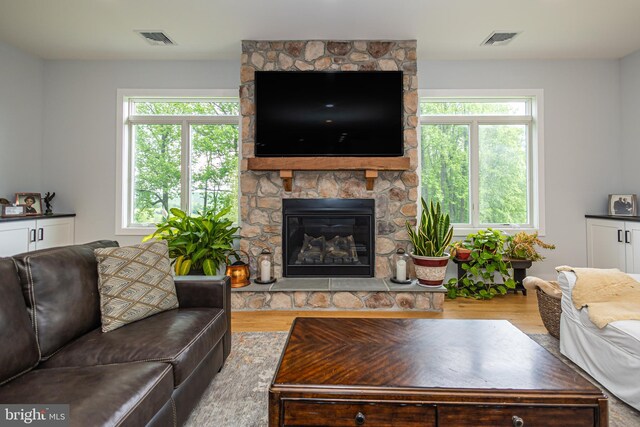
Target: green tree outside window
point(502, 168)
point(157, 155)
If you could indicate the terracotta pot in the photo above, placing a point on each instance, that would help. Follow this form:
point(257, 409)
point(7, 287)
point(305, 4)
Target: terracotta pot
point(430, 270)
point(463, 254)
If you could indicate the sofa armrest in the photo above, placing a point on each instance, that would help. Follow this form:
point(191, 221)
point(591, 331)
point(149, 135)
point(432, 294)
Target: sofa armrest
point(207, 291)
point(204, 291)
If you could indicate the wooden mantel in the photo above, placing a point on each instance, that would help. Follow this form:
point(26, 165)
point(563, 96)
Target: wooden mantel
point(287, 165)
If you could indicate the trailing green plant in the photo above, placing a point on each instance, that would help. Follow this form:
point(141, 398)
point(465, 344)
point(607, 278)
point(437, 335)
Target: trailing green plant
point(434, 232)
point(486, 262)
point(198, 242)
point(522, 245)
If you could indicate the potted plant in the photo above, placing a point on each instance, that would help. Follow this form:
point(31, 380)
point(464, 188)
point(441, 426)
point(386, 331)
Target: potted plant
point(522, 246)
point(430, 239)
point(198, 243)
point(486, 262)
point(461, 249)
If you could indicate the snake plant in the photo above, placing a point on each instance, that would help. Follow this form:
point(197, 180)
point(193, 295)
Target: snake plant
point(434, 232)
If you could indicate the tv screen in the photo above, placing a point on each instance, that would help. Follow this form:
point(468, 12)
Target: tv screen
point(328, 113)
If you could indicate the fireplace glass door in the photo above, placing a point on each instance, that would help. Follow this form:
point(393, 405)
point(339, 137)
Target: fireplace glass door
point(328, 237)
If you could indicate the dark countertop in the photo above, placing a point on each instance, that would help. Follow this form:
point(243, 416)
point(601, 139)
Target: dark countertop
point(32, 217)
point(615, 217)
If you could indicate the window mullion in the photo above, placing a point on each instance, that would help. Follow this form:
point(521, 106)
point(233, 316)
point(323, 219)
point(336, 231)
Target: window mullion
point(185, 167)
point(531, 179)
point(474, 175)
point(130, 178)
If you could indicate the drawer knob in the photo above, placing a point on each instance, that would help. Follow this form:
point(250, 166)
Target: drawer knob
point(517, 421)
point(360, 419)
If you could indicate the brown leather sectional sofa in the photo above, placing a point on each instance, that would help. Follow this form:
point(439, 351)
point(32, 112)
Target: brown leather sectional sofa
point(150, 372)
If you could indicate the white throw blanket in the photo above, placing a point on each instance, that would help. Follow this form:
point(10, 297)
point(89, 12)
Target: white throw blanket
point(609, 293)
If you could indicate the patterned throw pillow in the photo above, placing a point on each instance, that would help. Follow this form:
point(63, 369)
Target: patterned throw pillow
point(135, 282)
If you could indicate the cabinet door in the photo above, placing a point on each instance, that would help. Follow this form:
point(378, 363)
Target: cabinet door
point(17, 237)
point(54, 232)
point(632, 243)
point(605, 243)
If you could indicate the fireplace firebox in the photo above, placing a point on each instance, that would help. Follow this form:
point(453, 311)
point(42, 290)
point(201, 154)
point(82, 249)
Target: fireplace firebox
point(328, 237)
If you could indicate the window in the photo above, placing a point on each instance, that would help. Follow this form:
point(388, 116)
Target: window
point(175, 150)
point(481, 157)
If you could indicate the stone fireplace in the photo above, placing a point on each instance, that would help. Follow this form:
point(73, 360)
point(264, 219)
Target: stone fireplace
point(394, 193)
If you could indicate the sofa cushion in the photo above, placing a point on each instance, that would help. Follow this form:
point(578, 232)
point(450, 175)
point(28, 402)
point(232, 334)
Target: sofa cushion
point(182, 337)
point(135, 282)
point(60, 286)
point(17, 338)
point(123, 395)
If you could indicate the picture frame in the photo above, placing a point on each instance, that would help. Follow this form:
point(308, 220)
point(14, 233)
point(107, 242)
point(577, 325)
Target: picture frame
point(623, 204)
point(31, 201)
point(9, 211)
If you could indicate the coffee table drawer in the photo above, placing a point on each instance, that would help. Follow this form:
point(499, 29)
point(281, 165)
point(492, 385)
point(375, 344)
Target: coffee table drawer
point(466, 416)
point(297, 413)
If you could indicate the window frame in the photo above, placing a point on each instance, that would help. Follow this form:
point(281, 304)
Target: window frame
point(535, 121)
point(124, 167)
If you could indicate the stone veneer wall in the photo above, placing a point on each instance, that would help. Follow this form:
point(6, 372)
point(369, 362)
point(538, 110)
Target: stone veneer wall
point(395, 193)
point(345, 300)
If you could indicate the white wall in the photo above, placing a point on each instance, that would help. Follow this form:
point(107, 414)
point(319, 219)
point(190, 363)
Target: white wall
point(581, 139)
point(80, 123)
point(630, 101)
point(21, 107)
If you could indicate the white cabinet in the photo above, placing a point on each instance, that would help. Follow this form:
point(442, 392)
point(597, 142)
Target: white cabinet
point(54, 232)
point(15, 237)
point(30, 234)
point(632, 240)
point(613, 243)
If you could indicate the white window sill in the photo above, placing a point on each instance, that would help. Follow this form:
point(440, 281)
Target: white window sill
point(135, 231)
point(141, 230)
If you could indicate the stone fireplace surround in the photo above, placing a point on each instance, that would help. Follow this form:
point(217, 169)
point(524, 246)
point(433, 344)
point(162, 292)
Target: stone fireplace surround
point(395, 192)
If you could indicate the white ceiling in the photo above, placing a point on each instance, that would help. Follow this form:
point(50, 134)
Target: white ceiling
point(213, 29)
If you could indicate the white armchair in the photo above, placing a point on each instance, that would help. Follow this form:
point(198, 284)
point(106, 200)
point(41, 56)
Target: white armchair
point(611, 355)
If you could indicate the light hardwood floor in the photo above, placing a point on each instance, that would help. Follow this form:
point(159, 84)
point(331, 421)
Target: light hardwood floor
point(520, 310)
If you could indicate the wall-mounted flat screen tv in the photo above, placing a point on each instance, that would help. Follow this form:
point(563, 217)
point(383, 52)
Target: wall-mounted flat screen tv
point(328, 114)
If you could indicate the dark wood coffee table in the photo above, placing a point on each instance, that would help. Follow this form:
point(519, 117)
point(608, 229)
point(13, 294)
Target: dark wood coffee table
point(424, 372)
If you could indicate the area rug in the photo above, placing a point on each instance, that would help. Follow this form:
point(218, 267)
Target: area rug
point(238, 396)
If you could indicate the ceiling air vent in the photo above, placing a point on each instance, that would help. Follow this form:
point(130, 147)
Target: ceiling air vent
point(156, 38)
point(499, 38)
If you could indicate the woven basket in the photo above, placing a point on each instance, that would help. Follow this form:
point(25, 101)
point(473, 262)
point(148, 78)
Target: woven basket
point(550, 310)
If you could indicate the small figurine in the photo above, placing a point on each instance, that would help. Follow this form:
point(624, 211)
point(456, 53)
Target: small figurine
point(47, 201)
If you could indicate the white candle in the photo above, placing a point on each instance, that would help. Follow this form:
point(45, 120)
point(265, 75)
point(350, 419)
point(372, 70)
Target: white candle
point(401, 270)
point(265, 270)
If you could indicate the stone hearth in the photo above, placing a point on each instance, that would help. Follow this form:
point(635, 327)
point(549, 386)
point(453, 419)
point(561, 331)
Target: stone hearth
point(395, 193)
point(337, 294)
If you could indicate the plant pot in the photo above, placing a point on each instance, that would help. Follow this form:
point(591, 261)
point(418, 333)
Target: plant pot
point(430, 270)
point(463, 254)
